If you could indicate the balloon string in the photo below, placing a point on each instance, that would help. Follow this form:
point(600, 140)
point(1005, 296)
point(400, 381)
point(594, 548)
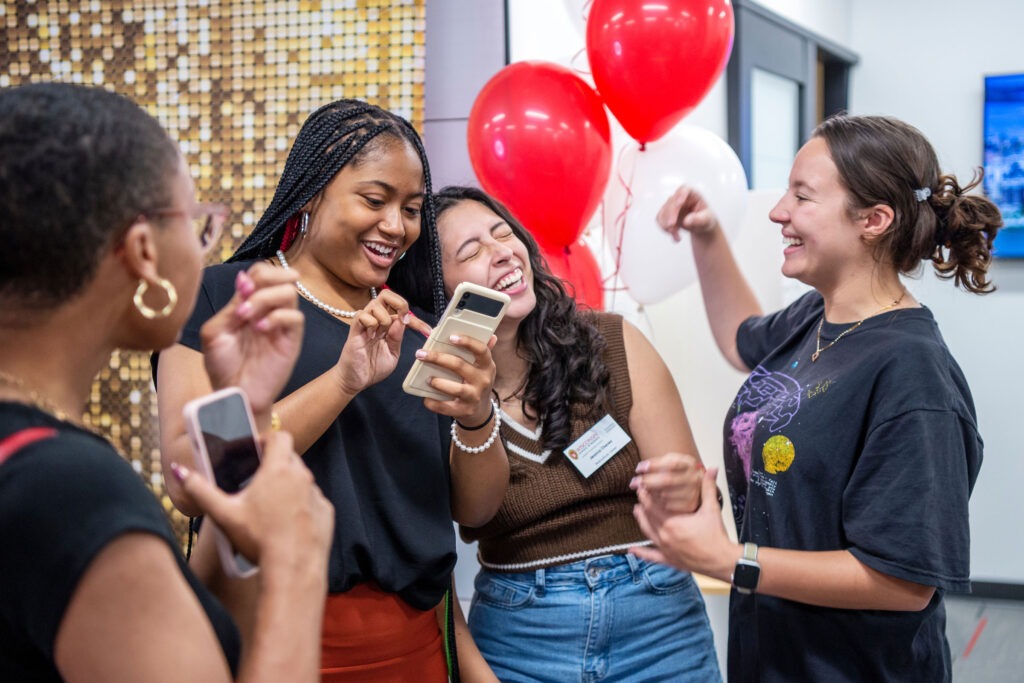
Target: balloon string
point(620, 220)
point(575, 58)
point(585, 13)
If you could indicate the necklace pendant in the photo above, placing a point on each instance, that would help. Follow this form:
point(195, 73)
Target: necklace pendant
point(814, 356)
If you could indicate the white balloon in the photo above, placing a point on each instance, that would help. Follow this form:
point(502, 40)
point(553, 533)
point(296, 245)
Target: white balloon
point(650, 263)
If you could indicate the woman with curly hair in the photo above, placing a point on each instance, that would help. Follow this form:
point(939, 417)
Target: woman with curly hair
point(585, 402)
point(852, 449)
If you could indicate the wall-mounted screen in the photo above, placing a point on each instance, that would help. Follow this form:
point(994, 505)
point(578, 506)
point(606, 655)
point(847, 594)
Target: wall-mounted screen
point(1004, 158)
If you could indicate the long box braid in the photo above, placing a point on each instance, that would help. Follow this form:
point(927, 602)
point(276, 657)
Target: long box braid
point(332, 137)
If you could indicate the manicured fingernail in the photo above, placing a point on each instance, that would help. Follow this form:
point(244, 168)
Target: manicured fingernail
point(244, 284)
point(244, 309)
point(262, 325)
point(179, 471)
point(421, 354)
point(455, 339)
point(643, 466)
point(634, 483)
point(407, 317)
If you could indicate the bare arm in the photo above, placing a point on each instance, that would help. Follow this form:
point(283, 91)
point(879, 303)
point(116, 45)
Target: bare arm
point(728, 299)
point(698, 542)
point(133, 593)
point(659, 426)
point(479, 480)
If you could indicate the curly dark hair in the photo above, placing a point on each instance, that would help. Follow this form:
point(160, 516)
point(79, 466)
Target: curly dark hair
point(335, 135)
point(77, 165)
point(561, 345)
point(882, 160)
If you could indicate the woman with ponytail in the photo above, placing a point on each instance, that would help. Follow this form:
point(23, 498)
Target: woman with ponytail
point(347, 217)
point(852, 449)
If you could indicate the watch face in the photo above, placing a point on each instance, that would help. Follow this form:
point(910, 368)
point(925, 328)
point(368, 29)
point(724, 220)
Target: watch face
point(745, 576)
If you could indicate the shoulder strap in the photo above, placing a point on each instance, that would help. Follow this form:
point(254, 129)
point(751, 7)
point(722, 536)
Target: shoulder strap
point(13, 443)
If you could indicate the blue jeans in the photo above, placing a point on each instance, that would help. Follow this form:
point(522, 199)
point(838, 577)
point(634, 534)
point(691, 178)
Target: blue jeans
point(610, 618)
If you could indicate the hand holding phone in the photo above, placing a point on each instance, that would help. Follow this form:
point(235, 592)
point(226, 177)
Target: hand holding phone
point(223, 435)
point(474, 311)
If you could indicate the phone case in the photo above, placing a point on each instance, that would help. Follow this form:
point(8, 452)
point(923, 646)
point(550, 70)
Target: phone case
point(234, 563)
point(474, 311)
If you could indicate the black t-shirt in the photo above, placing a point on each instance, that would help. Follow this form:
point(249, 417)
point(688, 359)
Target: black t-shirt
point(874, 449)
point(383, 462)
point(62, 500)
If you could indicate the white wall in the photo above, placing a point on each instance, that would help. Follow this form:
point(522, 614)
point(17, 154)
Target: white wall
point(923, 62)
point(828, 19)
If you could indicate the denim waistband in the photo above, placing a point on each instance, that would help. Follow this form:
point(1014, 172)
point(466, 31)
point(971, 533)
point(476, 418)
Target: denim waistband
point(592, 571)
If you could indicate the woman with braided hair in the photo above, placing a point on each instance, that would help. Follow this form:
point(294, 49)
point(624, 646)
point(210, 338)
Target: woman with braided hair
point(346, 216)
point(852, 449)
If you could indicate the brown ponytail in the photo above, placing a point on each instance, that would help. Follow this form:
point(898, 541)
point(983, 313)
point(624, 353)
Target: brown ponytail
point(882, 160)
point(967, 226)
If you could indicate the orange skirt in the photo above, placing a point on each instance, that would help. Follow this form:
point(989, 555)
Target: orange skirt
point(375, 637)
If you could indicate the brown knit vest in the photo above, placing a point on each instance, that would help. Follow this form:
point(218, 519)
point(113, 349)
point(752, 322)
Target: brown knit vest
point(550, 510)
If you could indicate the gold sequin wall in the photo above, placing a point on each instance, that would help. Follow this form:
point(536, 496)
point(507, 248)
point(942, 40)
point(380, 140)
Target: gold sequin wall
point(232, 82)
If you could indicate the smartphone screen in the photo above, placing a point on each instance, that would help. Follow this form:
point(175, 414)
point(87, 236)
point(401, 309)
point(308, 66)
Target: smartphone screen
point(477, 303)
point(229, 440)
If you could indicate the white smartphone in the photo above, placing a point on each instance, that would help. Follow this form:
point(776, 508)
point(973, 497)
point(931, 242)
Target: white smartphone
point(221, 428)
point(474, 311)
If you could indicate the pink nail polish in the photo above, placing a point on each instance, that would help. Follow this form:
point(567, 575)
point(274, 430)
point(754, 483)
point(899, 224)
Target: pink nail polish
point(179, 471)
point(243, 284)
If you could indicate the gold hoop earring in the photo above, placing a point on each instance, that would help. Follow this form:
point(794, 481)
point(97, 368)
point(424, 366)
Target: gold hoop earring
point(152, 314)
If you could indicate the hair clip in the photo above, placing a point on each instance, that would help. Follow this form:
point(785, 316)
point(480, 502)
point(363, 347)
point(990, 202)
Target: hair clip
point(922, 194)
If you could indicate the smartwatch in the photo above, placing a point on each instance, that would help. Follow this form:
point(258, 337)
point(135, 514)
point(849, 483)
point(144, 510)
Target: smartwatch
point(747, 572)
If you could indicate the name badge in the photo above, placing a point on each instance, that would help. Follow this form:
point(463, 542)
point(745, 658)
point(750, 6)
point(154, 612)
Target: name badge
point(597, 445)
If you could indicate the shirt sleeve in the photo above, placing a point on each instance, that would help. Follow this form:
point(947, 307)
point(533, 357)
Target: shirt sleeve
point(905, 509)
point(758, 336)
point(203, 311)
point(61, 502)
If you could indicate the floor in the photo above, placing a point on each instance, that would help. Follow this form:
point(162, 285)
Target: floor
point(986, 639)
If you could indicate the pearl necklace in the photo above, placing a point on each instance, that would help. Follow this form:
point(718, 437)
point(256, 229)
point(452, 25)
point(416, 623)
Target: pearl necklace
point(819, 348)
point(337, 312)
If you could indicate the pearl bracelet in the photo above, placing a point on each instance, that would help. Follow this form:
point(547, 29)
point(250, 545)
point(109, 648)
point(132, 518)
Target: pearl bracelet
point(490, 440)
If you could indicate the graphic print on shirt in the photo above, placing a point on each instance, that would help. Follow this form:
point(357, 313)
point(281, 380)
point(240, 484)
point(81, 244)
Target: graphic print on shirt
point(767, 400)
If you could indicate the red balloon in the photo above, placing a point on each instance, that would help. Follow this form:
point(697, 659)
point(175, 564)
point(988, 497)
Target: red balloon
point(576, 266)
point(653, 62)
point(539, 141)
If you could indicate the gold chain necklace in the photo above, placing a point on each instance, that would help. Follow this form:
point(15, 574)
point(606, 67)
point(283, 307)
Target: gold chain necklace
point(819, 348)
point(39, 401)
